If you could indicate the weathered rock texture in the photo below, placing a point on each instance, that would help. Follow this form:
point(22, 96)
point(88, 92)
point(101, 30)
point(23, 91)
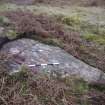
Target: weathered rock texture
point(31, 52)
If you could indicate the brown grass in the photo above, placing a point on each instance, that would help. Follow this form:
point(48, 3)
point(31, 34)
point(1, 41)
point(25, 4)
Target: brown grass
point(59, 2)
point(51, 30)
point(27, 88)
point(40, 88)
point(43, 26)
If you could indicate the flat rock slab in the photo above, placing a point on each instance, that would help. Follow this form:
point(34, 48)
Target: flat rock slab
point(30, 52)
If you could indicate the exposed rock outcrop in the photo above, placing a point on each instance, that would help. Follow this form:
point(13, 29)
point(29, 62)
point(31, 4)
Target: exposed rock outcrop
point(33, 53)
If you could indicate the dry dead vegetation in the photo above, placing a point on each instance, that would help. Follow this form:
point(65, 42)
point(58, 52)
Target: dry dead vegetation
point(55, 30)
point(29, 88)
point(41, 88)
point(59, 2)
point(49, 30)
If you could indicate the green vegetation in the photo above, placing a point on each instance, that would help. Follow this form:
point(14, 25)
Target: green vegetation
point(72, 20)
point(8, 7)
point(78, 24)
point(66, 27)
point(89, 32)
point(47, 89)
point(53, 41)
point(43, 87)
point(100, 39)
point(98, 87)
point(4, 20)
point(11, 34)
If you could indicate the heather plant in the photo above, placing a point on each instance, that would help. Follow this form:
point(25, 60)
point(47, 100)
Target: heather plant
point(33, 88)
point(54, 30)
point(39, 25)
point(27, 87)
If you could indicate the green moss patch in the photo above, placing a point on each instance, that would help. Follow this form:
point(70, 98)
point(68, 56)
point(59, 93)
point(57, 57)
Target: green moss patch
point(72, 20)
point(11, 34)
point(100, 39)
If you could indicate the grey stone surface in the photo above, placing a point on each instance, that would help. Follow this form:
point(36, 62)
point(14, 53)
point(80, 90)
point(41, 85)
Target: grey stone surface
point(29, 52)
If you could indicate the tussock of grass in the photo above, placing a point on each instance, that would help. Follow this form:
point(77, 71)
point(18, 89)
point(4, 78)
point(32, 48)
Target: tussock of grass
point(26, 87)
point(4, 20)
point(100, 39)
point(11, 34)
point(7, 7)
point(52, 30)
point(41, 88)
point(72, 21)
